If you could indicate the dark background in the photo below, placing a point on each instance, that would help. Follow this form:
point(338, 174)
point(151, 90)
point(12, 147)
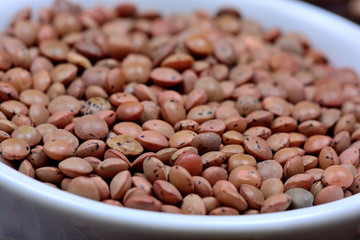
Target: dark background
point(347, 8)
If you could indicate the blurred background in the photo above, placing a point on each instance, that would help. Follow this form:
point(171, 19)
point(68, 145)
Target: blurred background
point(347, 8)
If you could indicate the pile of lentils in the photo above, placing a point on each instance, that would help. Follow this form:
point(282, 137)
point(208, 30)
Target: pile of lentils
point(188, 113)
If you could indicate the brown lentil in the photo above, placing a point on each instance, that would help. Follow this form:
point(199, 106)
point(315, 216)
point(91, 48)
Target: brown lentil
point(85, 187)
point(74, 167)
point(166, 192)
point(227, 194)
point(253, 196)
point(58, 149)
point(14, 149)
point(157, 113)
point(90, 127)
point(27, 169)
point(275, 203)
point(109, 167)
point(50, 175)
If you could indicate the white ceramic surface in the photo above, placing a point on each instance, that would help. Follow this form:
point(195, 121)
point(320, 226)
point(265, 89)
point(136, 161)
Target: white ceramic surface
point(32, 210)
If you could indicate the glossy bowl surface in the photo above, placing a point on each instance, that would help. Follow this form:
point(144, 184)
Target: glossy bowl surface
point(32, 210)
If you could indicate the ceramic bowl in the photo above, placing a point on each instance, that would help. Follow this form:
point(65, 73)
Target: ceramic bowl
point(32, 210)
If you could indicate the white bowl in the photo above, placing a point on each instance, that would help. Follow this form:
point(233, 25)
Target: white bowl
point(32, 210)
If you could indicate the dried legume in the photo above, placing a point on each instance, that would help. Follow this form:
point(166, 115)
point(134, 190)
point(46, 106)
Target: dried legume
point(211, 115)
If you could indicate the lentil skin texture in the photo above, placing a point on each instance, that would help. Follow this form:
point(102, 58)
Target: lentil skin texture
point(203, 114)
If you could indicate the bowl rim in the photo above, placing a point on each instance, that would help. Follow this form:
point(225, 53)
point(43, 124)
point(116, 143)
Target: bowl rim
point(36, 191)
point(47, 196)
